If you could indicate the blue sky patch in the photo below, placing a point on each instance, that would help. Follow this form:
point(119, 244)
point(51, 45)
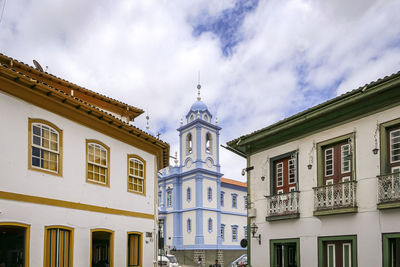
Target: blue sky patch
point(226, 25)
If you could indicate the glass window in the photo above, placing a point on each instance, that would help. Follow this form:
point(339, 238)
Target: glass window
point(97, 162)
point(58, 247)
point(188, 194)
point(222, 232)
point(134, 249)
point(209, 194)
point(395, 146)
point(234, 233)
point(222, 198)
point(189, 225)
point(45, 146)
point(169, 198)
point(136, 174)
point(189, 143)
point(234, 200)
point(292, 171)
point(279, 174)
point(208, 143)
point(210, 225)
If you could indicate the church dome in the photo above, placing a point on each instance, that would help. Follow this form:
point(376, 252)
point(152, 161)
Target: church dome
point(198, 106)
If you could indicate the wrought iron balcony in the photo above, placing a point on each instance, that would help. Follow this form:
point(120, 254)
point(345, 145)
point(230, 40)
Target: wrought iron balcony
point(283, 206)
point(389, 190)
point(335, 198)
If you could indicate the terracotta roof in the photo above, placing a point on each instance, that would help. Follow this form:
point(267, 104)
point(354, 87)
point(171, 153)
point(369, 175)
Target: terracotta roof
point(233, 182)
point(47, 91)
point(67, 87)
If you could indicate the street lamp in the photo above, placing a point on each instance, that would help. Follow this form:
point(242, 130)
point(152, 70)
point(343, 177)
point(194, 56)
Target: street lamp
point(254, 229)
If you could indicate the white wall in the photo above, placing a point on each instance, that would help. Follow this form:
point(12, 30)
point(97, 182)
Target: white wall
point(368, 224)
point(71, 186)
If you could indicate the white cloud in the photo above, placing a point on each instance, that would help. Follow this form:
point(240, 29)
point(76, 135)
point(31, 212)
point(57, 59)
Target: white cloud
point(144, 53)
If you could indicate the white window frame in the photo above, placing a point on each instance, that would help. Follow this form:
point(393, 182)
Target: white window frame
point(343, 158)
point(391, 144)
point(102, 148)
point(334, 254)
point(292, 171)
point(279, 174)
point(41, 147)
point(350, 256)
point(222, 198)
point(279, 192)
point(222, 232)
point(332, 164)
point(132, 176)
point(292, 189)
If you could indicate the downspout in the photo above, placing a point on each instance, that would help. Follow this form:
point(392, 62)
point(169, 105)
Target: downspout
point(248, 218)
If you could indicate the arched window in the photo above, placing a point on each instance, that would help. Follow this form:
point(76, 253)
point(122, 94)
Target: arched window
point(45, 149)
point(136, 174)
point(205, 117)
point(191, 118)
point(98, 161)
point(189, 143)
point(208, 143)
point(210, 225)
point(188, 194)
point(189, 225)
point(209, 194)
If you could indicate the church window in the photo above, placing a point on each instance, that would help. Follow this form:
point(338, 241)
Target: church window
point(208, 143)
point(222, 198)
point(191, 117)
point(136, 174)
point(169, 198)
point(45, 146)
point(189, 143)
point(98, 160)
point(205, 117)
point(189, 225)
point(209, 194)
point(159, 198)
point(188, 194)
point(234, 201)
point(222, 232)
point(234, 233)
point(210, 225)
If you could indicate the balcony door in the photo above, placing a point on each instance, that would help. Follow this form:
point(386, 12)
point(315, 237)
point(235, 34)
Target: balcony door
point(285, 175)
point(285, 255)
point(337, 165)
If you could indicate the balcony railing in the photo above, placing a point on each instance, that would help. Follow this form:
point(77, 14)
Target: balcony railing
point(335, 196)
point(389, 188)
point(283, 204)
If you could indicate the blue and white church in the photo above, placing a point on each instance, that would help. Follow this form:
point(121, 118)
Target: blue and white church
point(204, 214)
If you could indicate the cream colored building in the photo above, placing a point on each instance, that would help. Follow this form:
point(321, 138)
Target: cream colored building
point(324, 189)
point(77, 180)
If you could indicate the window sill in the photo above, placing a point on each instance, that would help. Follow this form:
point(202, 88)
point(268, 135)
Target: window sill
point(335, 211)
point(282, 217)
point(388, 205)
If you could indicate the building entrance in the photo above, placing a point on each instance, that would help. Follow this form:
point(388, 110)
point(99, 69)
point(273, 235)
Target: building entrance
point(12, 246)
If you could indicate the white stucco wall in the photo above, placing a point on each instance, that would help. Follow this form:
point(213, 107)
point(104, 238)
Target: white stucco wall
point(192, 184)
point(368, 224)
point(213, 185)
point(210, 237)
point(71, 186)
point(189, 237)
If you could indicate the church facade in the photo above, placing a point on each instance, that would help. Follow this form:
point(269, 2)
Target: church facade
point(204, 214)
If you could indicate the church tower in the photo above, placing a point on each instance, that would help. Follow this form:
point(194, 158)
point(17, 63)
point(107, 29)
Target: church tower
point(199, 139)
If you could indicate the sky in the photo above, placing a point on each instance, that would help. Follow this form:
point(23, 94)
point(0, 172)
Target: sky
point(259, 61)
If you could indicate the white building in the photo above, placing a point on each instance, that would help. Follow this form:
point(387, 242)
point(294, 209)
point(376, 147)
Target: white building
point(77, 180)
point(203, 213)
point(324, 186)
